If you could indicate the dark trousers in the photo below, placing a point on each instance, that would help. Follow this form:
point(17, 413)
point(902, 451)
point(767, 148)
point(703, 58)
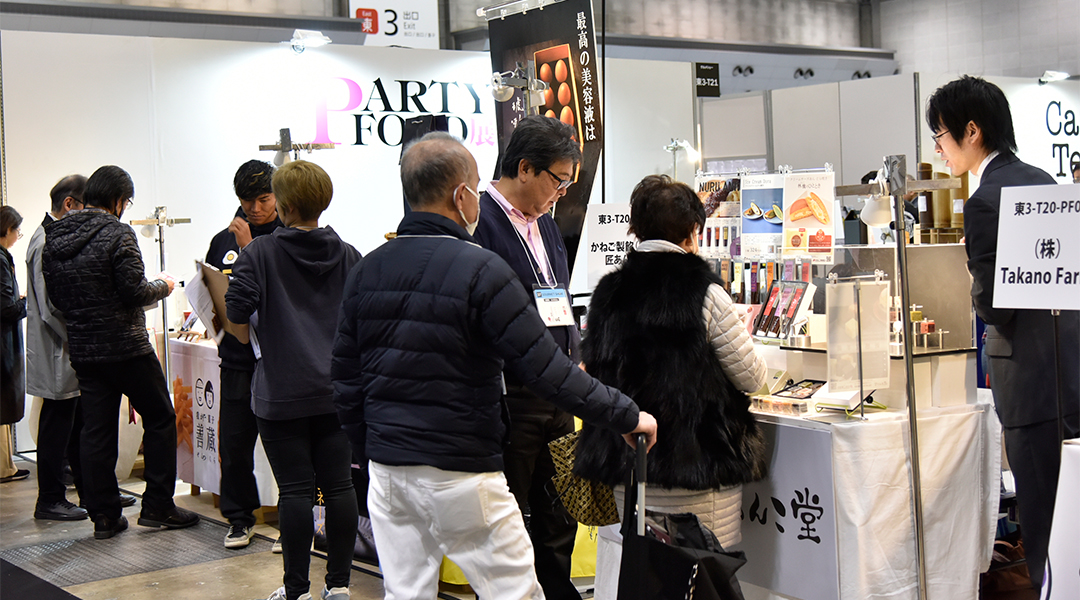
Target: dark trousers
point(59, 433)
point(1035, 458)
point(237, 432)
point(102, 384)
point(304, 453)
point(528, 467)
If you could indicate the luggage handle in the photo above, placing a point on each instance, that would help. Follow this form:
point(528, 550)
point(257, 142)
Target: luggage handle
point(640, 468)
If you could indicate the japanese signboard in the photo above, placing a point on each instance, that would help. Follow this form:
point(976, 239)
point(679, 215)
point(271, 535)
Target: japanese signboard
point(808, 218)
point(409, 23)
point(1038, 253)
point(560, 44)
point(608, 239)
point(762, 216)
point(788, 518)
point(707, 80)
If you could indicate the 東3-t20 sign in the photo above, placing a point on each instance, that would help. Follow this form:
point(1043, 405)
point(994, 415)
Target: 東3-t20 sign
point(409, 23)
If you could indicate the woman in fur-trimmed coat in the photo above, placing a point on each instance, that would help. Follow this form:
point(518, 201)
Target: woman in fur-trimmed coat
point(662, 329)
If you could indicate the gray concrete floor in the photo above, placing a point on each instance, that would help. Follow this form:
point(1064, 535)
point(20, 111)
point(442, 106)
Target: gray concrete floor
point(245, 577)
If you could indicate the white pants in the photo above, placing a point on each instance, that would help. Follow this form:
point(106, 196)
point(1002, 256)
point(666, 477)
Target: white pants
point(420, 513)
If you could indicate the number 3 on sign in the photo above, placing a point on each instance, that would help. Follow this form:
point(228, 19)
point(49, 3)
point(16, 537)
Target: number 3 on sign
point(392, 21)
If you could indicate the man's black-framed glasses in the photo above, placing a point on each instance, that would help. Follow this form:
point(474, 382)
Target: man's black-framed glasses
point(563, 183)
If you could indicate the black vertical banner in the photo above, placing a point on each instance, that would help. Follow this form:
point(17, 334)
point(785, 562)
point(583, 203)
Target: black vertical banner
point(561, 42)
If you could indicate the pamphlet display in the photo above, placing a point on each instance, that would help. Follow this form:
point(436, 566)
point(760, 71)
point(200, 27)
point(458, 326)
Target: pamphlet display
point(808, 219)
point(762, 216)
point(719, 238)
point(783, 306)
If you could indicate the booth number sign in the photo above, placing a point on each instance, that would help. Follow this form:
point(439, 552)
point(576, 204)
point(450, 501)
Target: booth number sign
point(707, 78)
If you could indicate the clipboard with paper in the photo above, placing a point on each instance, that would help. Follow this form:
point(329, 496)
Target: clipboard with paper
point(206, 294)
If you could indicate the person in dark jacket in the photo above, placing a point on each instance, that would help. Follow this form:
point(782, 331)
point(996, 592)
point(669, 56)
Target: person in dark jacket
point(95, 275)
point(237, 429)
point(293, 279)
point(973, 132)
point(12, 312)
point(538, 167)
point(428, 323)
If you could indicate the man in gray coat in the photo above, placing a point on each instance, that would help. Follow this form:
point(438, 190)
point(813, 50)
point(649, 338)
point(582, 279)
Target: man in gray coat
point(48, 369)
point(49, 374)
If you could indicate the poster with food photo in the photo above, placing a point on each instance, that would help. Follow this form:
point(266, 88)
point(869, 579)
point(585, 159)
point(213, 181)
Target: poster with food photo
point(559, 42)
point(720, 236)
point(762, 216)
point(808, 216)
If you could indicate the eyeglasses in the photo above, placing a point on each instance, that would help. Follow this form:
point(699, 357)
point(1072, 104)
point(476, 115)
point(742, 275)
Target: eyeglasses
point(937, 137)
point(563, 183)
point(20, 234)
point(129, 202)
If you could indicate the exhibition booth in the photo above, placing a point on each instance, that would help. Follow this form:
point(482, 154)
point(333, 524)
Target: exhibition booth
point(837, 518)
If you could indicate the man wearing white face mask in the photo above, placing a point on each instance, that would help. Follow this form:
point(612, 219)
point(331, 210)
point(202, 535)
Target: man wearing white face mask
point(428, 323)
point(537, 168)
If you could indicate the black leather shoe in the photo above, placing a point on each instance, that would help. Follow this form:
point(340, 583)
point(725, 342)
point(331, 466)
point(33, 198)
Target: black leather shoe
point(105, 528)
point(60, 511)
point(174, 518)
point(125, 501)
point(19, 475)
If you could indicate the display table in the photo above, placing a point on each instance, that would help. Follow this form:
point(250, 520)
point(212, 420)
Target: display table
point(834, 520)
point(195, 387)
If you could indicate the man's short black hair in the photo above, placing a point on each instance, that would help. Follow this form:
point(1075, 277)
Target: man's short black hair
point(542, 141)
point(431, 167)
point(253, 179)
point(664, 209)
point(973, 99)
point(72, 185)
point(107, 185)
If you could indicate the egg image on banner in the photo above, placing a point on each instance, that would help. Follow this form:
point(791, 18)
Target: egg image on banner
point(562, 99)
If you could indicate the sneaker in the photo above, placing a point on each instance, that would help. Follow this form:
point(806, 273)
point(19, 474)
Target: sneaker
point(19, 475)
point(174, 518)
point(238, 536)
point(60, 511)
point(105, 528)
point(338, 593)
point(277, 546)
point(279, 594)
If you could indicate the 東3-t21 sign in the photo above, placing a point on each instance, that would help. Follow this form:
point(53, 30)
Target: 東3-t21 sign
point(409, 23)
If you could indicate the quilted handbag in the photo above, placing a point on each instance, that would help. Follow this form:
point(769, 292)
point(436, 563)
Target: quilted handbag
point(590, 502)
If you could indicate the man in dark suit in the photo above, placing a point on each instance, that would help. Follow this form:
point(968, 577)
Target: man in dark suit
point(537, 167)
point(973, 131)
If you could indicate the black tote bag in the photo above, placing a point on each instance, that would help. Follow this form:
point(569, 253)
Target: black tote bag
point(677, 558)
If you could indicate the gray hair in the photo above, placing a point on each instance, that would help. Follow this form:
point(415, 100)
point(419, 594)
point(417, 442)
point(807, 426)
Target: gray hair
point(431, 167)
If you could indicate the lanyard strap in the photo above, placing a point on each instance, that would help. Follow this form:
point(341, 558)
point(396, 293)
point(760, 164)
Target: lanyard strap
point(538, 270)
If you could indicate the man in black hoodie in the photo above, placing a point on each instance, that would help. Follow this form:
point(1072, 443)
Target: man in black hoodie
point(238, 430)
point(95, 275)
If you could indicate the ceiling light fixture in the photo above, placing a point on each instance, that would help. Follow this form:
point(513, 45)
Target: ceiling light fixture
point(303, 39)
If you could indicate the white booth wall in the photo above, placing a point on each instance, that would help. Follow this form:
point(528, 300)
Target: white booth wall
point(182, 115)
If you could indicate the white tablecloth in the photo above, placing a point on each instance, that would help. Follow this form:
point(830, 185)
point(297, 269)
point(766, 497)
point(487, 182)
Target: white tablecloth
point(960, 450)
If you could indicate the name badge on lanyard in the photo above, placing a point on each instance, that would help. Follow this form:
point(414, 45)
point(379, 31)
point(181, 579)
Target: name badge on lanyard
point(553, 304)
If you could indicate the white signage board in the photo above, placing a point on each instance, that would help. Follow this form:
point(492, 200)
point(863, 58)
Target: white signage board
point(789, 524)
point(409, 23)
point(1038, 254)
point(608, 238)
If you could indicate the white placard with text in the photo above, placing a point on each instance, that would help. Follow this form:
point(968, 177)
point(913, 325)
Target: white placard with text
point(1038, 253)
point(608, 238)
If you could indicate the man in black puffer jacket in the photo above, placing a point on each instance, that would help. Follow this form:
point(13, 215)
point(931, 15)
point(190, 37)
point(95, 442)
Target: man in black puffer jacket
point(95, 275)
point(428, 322)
